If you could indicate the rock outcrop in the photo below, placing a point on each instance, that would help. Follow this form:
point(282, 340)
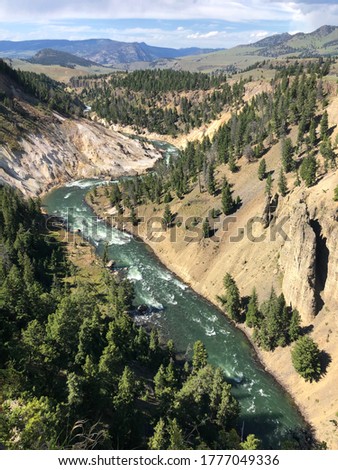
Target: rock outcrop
point(298, 263)
point(68, 149)
point(309, 257)
point(270, 208)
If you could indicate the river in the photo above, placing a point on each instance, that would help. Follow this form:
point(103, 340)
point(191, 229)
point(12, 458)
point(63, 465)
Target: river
point(179, 313)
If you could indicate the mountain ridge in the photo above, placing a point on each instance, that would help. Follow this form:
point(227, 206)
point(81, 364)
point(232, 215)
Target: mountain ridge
point(65, 59)
point(101, 51)
point(322, 42)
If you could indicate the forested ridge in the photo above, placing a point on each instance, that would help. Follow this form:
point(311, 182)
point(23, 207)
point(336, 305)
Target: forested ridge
point(161, 101)
point(25, 99)
point(43, 88)
point(77, 372)
point(298, 100)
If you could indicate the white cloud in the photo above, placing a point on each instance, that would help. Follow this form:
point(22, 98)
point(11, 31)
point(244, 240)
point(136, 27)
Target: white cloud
point(302, 14)
point(231, 10)
point(211, 34)
point(257, 35)
point(57, 19)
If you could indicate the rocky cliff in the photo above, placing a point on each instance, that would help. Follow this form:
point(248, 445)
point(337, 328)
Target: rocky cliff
point(308, 258)
point(65, 149)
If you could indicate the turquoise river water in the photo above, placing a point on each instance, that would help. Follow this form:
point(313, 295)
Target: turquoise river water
point(179, 313)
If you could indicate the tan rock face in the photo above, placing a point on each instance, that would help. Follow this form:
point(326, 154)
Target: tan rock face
point(327, 260)
point(298, 263)
point(73, 149)
point(309, 259)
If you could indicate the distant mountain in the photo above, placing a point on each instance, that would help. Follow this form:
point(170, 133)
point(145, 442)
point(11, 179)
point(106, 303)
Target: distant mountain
point(100, 51)
point(321, 42)
point(53, 57)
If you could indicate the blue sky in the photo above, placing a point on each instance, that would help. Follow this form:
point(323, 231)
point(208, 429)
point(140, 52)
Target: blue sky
point(171, 23)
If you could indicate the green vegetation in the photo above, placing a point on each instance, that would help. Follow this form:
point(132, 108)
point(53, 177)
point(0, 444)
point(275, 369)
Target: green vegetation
point(161, 100)
point(306, 358)
point(287, 155)
point(324, 126)
point(77, 372)
point(282, 183)
point(16, 118)
point(228, 204)
point(308, 170)
point(206, 228)
point(262, 169)
point(168, 217)
point(296, 99)
point(268, 185)
point(231, 301)
point(274, 323)
point(44, 89)
point(252, 316)
point(335, 197)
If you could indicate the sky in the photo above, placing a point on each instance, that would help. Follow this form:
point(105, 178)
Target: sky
point(168, 23)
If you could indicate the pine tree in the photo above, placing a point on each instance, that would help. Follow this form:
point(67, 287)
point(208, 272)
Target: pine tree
point(251, 443)
point(306, 358)
point(274, 324)
point(252, 313)
point(158, 441)
point(200, 356)
point(282, 183)
point(297, 181)
point(167, 217)
point(127, 391)
point(324, 126)
point(294, 328)
point(227, 201)
point(232, 299)
point(287, 155)
point(211, 179)
point(133, 216)
point(232, 163)
point(206, 228)
point(312, 133)
point(328, 154)
point(301, 132)
point(154, 342)
point(162, 391)
point(268, 185)
point(262, 169)
point(176, 438)
point(167, 198)
point(308, 170)
point(214, 213)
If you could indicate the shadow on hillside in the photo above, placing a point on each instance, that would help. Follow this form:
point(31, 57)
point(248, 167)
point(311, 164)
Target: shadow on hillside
point(325, 360)
point(305, 330)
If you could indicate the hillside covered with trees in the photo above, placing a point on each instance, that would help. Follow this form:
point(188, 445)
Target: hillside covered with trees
point(77, 372)
point(161, 101)
point(298, 100)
